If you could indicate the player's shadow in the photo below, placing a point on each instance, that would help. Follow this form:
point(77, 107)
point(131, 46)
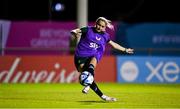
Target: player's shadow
point(88, 102)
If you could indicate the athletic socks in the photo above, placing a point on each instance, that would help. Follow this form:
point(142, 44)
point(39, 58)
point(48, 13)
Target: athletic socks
point(95, 88)
point(91, 69)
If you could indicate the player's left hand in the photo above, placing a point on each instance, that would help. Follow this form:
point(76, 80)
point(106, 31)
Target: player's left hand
point(129, 50)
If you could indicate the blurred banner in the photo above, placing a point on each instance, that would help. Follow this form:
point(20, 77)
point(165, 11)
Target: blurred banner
point(160, 38)
point(144, 69)
point(39, 37)
point(50, 69)
point(24, 37)
point(106, 69)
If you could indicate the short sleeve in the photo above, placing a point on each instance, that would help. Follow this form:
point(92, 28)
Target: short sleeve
point(84, 29)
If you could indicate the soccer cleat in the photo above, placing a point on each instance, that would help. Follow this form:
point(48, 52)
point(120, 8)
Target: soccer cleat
point(106, 98)
point(86, 89)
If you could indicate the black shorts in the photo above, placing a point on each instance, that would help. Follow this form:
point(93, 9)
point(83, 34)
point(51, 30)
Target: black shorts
point(82, 60)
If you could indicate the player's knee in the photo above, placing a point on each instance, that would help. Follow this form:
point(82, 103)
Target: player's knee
point(80, 68)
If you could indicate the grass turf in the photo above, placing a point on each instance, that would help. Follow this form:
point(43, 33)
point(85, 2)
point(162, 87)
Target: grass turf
point(70, 96)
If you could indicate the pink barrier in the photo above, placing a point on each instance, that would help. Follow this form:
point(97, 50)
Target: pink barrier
point(39, 37)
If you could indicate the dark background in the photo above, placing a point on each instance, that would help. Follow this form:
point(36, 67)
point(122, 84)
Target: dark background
point(117, 10)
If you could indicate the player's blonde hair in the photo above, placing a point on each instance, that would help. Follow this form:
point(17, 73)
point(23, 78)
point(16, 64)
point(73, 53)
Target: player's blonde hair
point(108, 22)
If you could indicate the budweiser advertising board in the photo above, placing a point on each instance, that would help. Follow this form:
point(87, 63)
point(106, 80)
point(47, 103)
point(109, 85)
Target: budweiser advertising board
point(50, 69)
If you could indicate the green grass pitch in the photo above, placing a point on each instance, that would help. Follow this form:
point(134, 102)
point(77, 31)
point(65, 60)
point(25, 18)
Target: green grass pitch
point(69, 96)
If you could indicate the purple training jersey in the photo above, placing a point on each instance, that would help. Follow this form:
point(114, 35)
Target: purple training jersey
point(92, 44)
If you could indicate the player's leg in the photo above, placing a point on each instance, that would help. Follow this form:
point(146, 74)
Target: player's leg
point(90, 66)
point(81, 64)
point(85, 89)
point(93, 86)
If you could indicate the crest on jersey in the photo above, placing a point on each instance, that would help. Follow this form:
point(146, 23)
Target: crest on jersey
point(98, 38)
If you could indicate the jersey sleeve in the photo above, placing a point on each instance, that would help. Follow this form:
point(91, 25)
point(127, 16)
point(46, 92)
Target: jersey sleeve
point(84, 31)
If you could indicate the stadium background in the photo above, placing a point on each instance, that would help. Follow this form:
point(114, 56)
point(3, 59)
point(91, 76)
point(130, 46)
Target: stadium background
point(36, 62)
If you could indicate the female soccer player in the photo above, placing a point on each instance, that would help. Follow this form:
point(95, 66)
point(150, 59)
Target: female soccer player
point(90, 49)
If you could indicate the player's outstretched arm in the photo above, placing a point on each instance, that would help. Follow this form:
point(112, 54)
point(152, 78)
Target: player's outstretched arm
point(120, 48)
point(76, 33)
